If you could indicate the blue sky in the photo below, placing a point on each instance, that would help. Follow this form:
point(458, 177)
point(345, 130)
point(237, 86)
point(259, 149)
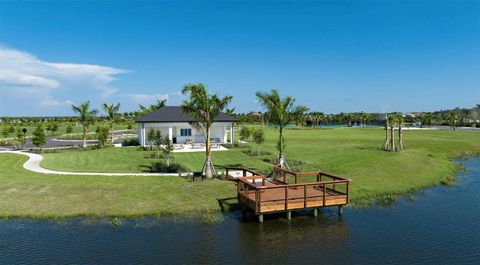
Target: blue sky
point(332, 56)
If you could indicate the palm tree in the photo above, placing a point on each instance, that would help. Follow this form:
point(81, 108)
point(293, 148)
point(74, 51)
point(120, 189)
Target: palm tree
point(386, 145)
point(112, 112)
point(280, 112)
point(148, 109)
point(299, 114)
point(86, 118)
point(400, 121)
point(203, 108)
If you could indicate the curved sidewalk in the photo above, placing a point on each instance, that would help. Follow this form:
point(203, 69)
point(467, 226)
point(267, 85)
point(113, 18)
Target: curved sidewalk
point(33, 164)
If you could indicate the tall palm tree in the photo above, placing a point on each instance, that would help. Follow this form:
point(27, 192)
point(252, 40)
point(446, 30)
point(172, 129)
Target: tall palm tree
point(203, 108)
point(112, 112)
point(86, 118)
point(148, 109)
point(280, 112)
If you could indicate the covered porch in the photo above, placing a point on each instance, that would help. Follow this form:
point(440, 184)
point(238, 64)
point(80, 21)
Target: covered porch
point(185, 136)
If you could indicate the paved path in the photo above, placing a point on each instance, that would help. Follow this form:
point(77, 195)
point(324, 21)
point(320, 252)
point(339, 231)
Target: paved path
point(33, 164)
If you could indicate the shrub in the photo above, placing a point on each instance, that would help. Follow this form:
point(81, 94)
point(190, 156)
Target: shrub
point(245, 133)
point(161, 167)
point(250, 152)
point(130, 142)
point(102, 135)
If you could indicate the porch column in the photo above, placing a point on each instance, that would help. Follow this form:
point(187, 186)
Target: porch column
point(143, 135)
point(231, 133)
point(170, 134)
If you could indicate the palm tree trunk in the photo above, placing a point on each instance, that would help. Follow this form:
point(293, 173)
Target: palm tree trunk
point(387, 140)
point(392, 138)
point(84, 137)
point(208, 161)
point(400, 138)
point(111, 132)
point(281, 157)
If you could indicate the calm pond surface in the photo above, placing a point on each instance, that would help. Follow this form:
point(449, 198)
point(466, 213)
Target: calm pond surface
point(440, 226)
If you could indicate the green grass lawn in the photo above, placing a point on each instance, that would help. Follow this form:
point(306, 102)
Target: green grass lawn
point(62, 129)
point(352, 152)
point(27, 194)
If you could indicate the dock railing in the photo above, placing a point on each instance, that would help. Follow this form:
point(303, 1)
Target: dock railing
point(324, 189)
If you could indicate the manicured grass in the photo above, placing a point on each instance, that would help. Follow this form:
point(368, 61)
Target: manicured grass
point(62, 129)
point(352, 152)
point(27, 194)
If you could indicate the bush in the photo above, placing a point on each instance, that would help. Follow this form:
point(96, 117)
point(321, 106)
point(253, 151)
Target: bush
point(234, 145)
point(250, 152)
point(161, 167)
point(130, 142)
point(245, 133)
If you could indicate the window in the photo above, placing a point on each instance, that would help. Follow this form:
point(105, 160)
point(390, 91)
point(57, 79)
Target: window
point(185, 132)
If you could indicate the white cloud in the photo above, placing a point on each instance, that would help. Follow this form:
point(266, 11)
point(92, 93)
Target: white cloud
point(55, 103)
point(21, 72)
point(147, 98)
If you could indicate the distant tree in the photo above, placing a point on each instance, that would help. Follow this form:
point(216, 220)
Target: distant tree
point(167, 150)
point(86, 118)
point(258, 137)
point(130, 125)
point(230, 112)
point(144, 110)
point(38, 137)
point(245, 133)
point(299, 114)
point(11, 129)
point(204, 108)
point(112, 113)
point(68, 129)
point(280, 113)
point(20, 139)
point(102, 132)
point(52, 127)
point(5, 132)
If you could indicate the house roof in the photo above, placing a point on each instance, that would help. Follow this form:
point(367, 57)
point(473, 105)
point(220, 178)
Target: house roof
point(176, 114)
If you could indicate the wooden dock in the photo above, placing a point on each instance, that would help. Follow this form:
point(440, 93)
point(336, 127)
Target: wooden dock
point(287, 191)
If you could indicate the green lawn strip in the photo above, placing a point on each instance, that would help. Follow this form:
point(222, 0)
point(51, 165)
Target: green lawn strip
point(354, 153)
point(28, 194)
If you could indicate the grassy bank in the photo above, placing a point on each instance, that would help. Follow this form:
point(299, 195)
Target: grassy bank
point(27, 194)
point(352, 152)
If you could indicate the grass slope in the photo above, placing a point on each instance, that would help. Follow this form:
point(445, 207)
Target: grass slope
point(352, 152)
point(27, 194)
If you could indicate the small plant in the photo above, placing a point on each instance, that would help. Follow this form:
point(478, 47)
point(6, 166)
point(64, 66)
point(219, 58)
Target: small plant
point(167, 150)
point(115, 222)
point(39, 138)
point(258, 137)
point(245, 133)
point(102, 135)
point(155, 138)
point(68, 129)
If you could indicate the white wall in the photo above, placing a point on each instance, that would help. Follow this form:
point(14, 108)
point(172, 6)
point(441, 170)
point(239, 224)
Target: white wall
point(218, 130)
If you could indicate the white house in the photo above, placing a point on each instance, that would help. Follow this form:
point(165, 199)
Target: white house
point(172, 121)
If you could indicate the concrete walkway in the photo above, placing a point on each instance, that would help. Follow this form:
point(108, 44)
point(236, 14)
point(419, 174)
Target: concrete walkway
point(33, 164)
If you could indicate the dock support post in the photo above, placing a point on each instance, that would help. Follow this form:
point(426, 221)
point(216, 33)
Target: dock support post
point(243, 213)
point(260, 218)
point(315, 212)
point(340, 210)
point(289, 215)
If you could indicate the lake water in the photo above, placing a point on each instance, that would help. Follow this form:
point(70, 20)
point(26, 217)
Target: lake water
point(440, 226)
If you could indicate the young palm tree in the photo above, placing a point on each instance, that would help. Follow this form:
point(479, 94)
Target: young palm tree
point(280, 113)
point(112, 112)
point(86, 118)
point(203, 108)
point(145, 110)
point(386, 145)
